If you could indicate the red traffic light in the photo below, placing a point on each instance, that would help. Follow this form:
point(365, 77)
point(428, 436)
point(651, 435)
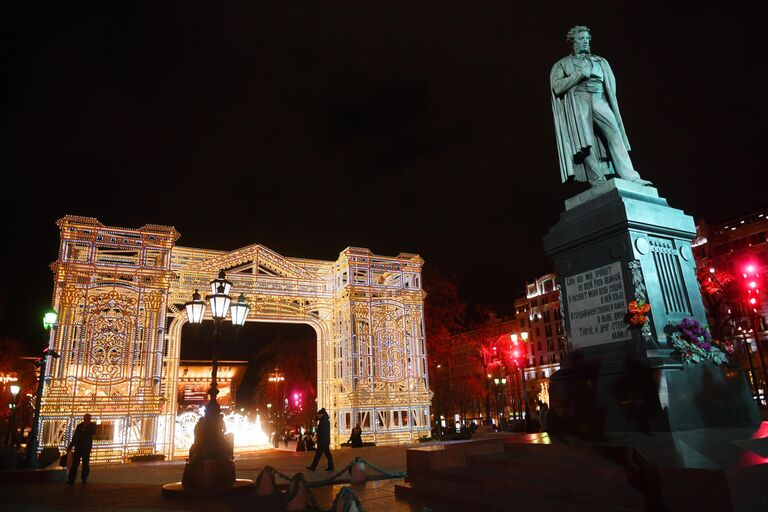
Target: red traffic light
point(751, 285)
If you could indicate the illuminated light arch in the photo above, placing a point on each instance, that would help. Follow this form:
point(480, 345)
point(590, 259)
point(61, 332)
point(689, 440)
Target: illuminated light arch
point(120, 295)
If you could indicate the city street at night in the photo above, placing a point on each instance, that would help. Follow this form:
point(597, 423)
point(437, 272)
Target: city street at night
point(136, 487)
point(370, 256)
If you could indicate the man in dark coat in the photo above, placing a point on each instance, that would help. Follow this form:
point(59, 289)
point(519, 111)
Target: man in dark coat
point(323, 440)
point(82, 442)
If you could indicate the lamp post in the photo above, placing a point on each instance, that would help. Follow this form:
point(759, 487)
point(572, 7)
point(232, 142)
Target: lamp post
point(50, 322)
point(211, 457)
point(499, 394)
point(524, 337)
point(488, 420)
point(277, 377)
point(14, 388)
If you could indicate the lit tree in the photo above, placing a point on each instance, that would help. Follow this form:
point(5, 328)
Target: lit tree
point(444, 317)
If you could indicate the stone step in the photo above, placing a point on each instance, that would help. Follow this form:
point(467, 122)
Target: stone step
point(551, 466)
point(573, 488)
point(617, 453)
point(452, 496)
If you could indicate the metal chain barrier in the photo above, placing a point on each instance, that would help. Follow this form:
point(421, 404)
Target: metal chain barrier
point(346, 494)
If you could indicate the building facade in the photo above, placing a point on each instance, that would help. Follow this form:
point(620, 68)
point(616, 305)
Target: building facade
point(728, 249)
point(477, 369)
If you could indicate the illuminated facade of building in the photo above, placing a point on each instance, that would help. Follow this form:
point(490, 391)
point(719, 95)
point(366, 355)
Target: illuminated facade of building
point(120, 293)
point(731, 246)
point(538, 314)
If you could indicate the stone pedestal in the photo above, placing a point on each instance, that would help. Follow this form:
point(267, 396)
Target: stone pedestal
point(207, 472)
point(615, 243)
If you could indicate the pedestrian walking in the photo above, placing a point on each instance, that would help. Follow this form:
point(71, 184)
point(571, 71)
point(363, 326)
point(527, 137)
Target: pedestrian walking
point(82, 443)
point(323, 440)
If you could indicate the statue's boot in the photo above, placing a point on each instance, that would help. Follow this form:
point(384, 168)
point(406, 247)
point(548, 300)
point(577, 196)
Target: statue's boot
point(641, 181)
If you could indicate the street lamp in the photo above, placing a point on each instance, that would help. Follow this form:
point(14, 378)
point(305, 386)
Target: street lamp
point(488, 420)
point(499, 395)
point(12, 419)
point(524, 337)
point(50, 322)
point(210, 456)
point(276, 378)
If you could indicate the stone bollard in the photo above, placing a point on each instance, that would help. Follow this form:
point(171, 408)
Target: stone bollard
point(265, 483)
point(357, 472)
point(296, 497)
point(346, 501)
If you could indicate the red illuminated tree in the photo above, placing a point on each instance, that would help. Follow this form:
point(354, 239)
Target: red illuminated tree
point(444, 317)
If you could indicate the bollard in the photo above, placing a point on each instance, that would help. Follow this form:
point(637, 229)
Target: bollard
point(265, 483)
point(346, 501)
point(296, 497)
point(357, 472)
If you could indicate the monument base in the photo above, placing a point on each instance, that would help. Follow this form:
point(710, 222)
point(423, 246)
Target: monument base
point(616, 244)
point(179, 490)
point(647, 395)
point(207, 472)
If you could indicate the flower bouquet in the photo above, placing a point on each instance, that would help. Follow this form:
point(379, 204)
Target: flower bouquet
point(693, 342)
point(637, 314)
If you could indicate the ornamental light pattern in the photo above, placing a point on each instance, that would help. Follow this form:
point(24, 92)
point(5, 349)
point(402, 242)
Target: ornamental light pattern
point(121, 296)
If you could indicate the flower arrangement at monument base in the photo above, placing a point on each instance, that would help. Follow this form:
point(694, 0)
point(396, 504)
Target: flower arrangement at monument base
point(637, 314)
point(694, 344)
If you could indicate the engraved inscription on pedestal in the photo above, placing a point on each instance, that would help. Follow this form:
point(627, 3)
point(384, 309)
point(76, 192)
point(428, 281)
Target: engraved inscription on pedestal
point(596, 305)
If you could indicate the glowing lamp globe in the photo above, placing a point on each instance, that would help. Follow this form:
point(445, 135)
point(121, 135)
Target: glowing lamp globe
point(219, 303)
point(50, 319)
point(15, 390)
point(195, 309)
point(239, 311)
point(524, 335)
point(221, 281)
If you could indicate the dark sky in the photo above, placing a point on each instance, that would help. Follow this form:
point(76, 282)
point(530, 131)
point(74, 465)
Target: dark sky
point(400, 126)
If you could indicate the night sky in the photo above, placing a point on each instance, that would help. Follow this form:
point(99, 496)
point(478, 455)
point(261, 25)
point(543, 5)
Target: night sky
point(420, 127)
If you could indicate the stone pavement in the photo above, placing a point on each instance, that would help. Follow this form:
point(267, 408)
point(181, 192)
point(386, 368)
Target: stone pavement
point(136, 487)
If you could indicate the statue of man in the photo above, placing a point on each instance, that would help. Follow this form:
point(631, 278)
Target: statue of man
point(591, 140)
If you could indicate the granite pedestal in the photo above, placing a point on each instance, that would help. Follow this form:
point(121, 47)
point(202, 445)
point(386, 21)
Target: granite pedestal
point(615, 243)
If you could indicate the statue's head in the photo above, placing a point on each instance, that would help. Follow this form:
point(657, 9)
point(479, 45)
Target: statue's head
point(579, 36)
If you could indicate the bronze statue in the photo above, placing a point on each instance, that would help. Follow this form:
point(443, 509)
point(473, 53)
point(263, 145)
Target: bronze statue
point(591, 140)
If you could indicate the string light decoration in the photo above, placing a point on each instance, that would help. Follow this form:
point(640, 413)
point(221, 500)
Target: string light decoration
point(122, 293)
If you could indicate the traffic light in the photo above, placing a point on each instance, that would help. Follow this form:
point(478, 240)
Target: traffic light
point(519, 347)
point(751, 283)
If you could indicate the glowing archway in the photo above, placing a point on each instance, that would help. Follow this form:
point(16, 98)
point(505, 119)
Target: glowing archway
point(120, 295)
